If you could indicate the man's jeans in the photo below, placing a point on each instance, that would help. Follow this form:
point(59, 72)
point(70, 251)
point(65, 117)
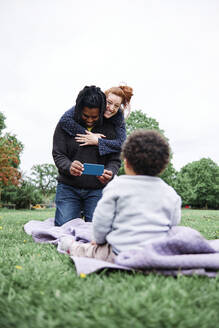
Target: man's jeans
point(71, 201)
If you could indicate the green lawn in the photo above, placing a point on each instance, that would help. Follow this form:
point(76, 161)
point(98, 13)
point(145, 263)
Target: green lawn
point(39, 287)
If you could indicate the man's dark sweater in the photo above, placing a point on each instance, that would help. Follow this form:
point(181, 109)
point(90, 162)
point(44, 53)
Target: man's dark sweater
point(66, 150)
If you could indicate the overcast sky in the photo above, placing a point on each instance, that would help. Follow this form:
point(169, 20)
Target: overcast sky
point(167, 50)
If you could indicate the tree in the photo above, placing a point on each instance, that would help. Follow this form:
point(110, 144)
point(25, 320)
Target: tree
point(139, 120)
point(43, 176)
point(169, 175)
point(23, 195)
point(2, 122)
point(10, 149)
point(198, 184)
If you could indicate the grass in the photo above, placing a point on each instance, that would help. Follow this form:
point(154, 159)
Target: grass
point(39, 287)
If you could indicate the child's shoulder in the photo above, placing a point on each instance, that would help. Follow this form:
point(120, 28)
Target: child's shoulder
point(117, 181)
point(170, 189)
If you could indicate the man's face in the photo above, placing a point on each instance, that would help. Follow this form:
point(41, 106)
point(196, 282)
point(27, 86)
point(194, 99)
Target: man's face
point(90, 116)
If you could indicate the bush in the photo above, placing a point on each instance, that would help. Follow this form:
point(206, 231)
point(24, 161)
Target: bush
point(22, 196)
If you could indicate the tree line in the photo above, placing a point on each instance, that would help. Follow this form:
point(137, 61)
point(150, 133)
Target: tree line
point(197, 182)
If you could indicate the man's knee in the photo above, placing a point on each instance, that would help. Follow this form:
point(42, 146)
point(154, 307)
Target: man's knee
point(66, 211)
point(91, 203)
point(61, 218)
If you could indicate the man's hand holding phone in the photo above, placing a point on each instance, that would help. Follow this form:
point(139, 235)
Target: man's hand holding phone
point(106, 176)
point(76, 168)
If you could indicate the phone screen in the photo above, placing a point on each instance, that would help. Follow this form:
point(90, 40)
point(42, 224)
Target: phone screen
point(93, 169)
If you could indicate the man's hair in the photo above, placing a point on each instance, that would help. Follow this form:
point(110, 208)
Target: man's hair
point(91, 97)
point(147, 152)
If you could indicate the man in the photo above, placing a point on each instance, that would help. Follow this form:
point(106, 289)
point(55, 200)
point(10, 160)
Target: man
point(76, 191)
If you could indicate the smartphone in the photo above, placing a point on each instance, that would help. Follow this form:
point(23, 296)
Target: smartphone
point(93, 169)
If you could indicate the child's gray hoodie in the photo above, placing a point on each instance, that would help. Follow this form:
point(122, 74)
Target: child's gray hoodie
point(133, 210)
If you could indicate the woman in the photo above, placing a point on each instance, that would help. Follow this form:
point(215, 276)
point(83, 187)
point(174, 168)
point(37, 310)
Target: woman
point(117, 102)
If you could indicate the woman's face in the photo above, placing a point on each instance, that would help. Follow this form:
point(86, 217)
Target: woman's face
point(113, 103)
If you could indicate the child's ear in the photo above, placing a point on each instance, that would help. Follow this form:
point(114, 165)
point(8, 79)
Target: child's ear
point(128, 168)
point(126, 164)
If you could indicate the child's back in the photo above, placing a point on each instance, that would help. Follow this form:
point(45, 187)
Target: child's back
point(144, 207)
point(138, 206)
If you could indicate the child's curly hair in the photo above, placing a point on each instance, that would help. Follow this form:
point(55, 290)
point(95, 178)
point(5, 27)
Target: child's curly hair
point(147, 152)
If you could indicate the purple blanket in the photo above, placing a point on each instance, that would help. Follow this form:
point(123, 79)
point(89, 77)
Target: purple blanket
point(184, 250)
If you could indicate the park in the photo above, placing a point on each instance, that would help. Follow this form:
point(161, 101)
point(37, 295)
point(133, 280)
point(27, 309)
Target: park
point(39, 287)
point(78, 80)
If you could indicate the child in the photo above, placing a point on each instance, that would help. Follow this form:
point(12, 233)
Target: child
point(137, 207)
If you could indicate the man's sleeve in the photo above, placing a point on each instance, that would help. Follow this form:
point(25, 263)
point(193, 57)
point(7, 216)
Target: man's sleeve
point(104, 214)
point(59, 151)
